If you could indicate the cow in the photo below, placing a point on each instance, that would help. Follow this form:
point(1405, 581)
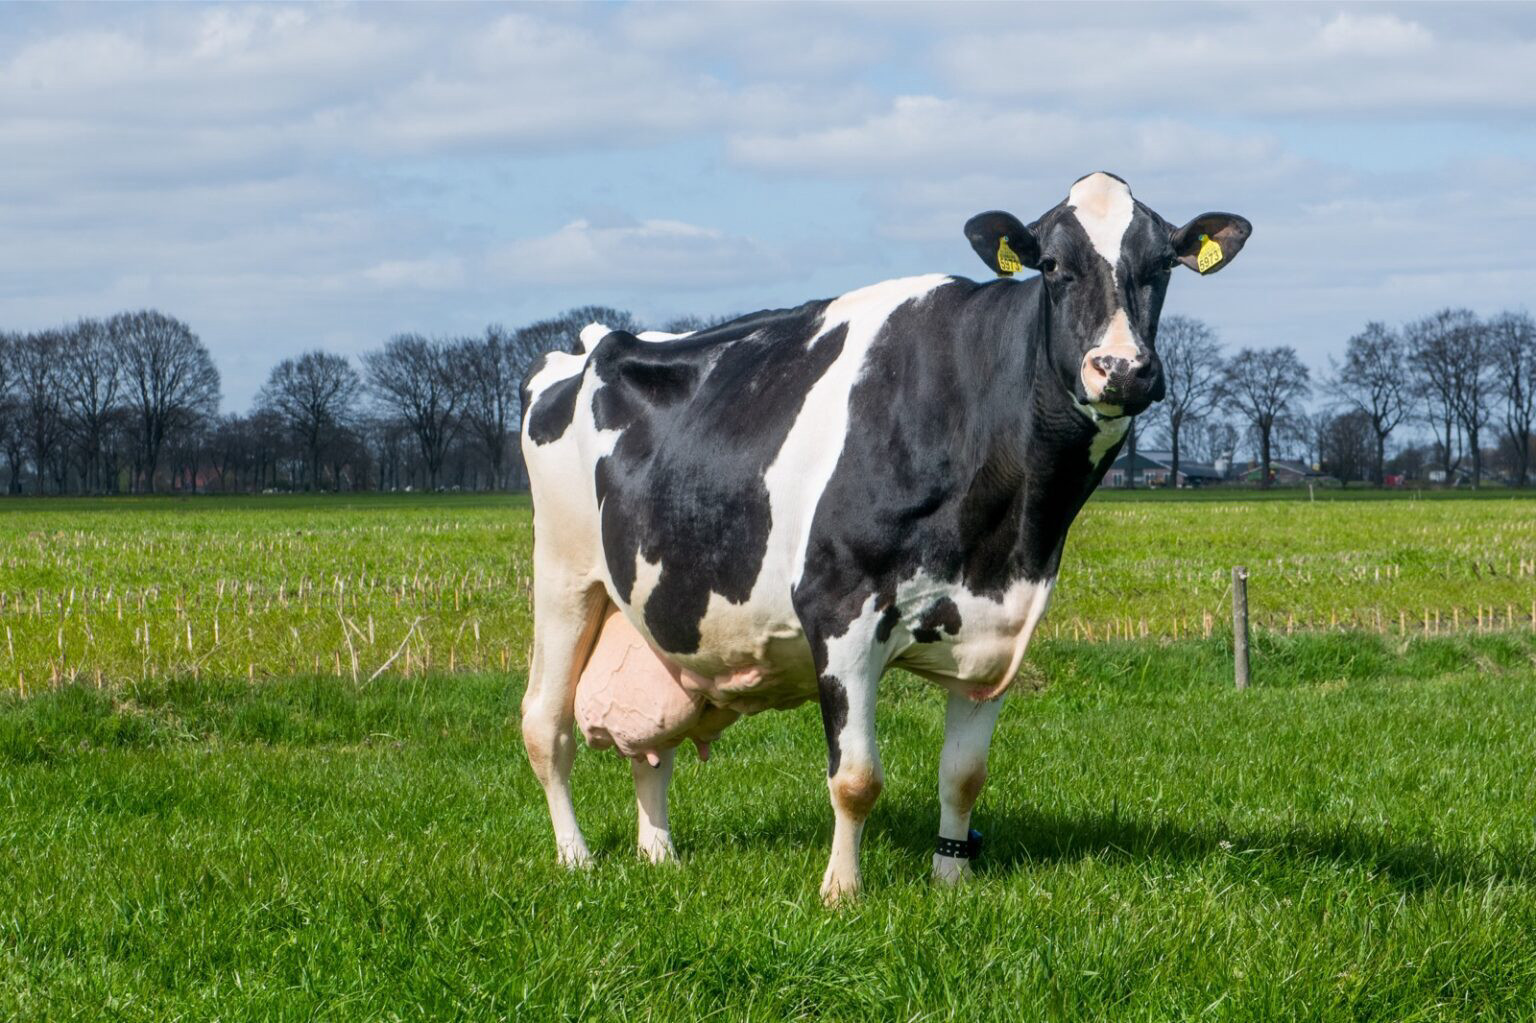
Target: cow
point(782, 507)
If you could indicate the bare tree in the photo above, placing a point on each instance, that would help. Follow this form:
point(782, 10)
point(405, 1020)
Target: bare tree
point(1447, 353)
point(417, 379)
point(1348, 445)
point(10, 411)
point(1192, 368)
point(170, 380)
point(494, 366)
point(36, 361)
point(91, 378)
point(1211, 440)
point(1263, 384)
point(1512, 340)
point(1472, 407)
point(1374, 380)
point(316, 396)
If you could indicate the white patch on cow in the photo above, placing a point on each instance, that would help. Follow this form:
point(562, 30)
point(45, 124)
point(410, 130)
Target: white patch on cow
point(557, 366)
point(1103, 205)
point(591, 334)
point(984, 656)
point(661, 335)
point(647, 575)
point(805, 463)
point(1118, 340)
point(1110, 432)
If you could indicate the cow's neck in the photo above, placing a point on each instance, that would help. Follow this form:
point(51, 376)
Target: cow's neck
point(1036, 471)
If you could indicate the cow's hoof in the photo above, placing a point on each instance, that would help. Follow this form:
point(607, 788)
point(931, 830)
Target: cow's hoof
point(836, 892)
point(574, 856)
point(951, 871)
point(659, 852)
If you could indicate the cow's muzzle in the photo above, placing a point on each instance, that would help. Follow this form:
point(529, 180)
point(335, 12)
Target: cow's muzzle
point(1121, 384)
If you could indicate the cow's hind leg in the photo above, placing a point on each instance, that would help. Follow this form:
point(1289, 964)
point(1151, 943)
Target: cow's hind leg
point(846, 686)
point(968, 728)
point(655, 839)
point(566, 619)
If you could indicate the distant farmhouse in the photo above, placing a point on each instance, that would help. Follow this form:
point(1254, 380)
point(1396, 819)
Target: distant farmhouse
point(1155, 469)
point(1283, 472)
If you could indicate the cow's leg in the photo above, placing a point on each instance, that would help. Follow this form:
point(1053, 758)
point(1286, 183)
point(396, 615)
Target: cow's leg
point(846, 687)
point(566, 618)
point(962, 772)
point(655, 840)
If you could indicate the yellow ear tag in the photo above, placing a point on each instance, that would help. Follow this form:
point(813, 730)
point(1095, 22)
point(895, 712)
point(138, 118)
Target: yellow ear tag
point(1210, 255)
point(1008, 262)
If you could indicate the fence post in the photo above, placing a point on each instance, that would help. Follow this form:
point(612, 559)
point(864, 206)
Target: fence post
point(1240, 625)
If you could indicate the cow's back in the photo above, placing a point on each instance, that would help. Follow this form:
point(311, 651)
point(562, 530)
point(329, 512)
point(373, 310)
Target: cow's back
point(700, 462)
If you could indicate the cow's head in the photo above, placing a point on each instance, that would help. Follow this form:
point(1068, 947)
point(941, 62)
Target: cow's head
point(1104, 261)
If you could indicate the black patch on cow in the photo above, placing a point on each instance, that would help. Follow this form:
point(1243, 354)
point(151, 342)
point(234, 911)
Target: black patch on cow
point(887, 623)
point(552, 413)
point(834, 715)
point(943, 614)
point(702, 418)
point(967, 458)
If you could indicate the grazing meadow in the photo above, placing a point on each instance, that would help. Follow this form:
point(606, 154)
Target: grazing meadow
point(108, 591)
point(259, 759)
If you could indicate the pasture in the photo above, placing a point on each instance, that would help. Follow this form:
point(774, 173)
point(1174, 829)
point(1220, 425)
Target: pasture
point(259, 759)
point(108, 591)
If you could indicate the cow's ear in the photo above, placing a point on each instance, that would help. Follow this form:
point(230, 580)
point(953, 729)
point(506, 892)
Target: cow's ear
point(1208, 243)
point(1003, 243)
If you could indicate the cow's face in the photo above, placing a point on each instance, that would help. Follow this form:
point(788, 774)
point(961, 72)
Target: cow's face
point(1104, 261)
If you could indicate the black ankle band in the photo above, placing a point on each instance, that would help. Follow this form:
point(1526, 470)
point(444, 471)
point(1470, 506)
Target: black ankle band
point(967, 848)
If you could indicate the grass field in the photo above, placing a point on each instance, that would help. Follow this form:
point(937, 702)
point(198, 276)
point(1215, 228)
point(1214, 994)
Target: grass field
point(1351, 839)
point(108, 591)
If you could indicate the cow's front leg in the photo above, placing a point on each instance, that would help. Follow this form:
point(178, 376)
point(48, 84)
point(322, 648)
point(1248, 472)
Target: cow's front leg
point(968, 728)
point(846, 687)
point(655, 840)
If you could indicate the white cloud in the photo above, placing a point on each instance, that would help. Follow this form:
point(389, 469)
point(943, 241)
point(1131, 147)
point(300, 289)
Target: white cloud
point(928, 135)
point(1254, 59)
point(1374, 34)
point(439, 274)
point(650, 252)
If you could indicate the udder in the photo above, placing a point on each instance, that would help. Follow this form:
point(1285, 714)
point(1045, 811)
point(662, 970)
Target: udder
point(630, 698)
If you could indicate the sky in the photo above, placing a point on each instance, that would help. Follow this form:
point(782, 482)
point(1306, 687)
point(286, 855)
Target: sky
point(289, 177)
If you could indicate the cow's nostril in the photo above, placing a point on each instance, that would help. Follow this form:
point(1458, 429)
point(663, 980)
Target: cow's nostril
point(1102, 364)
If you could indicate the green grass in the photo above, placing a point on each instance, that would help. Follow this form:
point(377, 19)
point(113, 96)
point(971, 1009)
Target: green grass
point(137, 589)
point(1352, 839)
point(208, 811)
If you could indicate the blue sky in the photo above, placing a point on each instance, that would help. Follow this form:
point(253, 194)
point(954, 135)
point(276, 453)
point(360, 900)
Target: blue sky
point(284, 177)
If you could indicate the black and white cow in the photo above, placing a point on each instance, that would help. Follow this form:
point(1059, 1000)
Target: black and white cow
point(782, 507)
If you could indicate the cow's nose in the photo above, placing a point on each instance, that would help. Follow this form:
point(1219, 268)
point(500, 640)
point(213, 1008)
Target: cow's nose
point(1106, 365)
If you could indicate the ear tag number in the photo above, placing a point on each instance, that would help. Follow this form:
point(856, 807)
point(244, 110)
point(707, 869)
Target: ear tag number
point(1210, 255)
point(1008, 262)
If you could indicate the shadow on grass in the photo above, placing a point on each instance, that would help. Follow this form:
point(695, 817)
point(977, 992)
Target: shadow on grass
point(1022, 839)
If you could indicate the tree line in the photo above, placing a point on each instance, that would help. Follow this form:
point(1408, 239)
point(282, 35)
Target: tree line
point(1469, 382)
point(130, 403)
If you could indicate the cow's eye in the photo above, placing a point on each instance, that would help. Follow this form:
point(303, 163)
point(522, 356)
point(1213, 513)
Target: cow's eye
point(1047, 265)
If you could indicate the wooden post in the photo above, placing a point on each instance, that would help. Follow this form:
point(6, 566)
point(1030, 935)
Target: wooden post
point(1240, 625)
